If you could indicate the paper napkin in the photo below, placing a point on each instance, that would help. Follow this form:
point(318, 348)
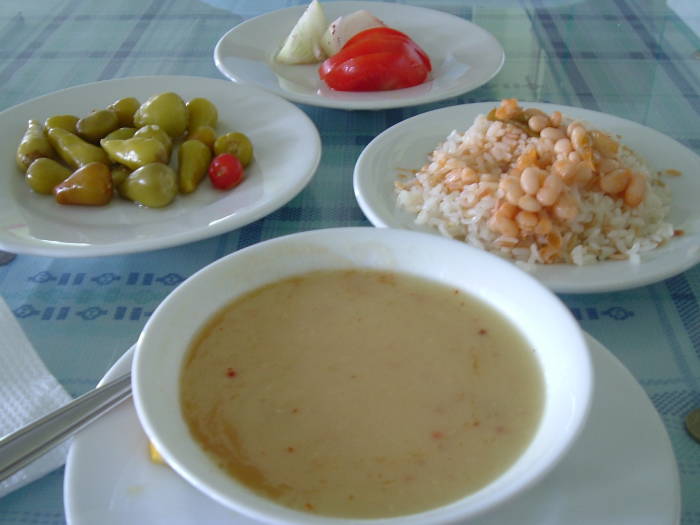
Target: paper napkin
point(28, 391)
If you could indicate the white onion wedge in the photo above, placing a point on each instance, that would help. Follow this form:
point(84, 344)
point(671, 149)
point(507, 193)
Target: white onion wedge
point(303, 45)
point(345, 27)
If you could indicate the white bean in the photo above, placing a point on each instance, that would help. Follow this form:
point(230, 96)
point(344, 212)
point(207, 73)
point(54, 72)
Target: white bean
point(583, 173)
point(604, 143)
point(636, 189)
point(547, 196)
point(575, 157)
point(538, 122)
point(504, 226)
point(555, 118)
point(550, 190)
point(615, 182)
point(570, 127)
point(608, 165)
point(530, 180)
point(580, 139)
point(565, 170)
point(553, 134)
point(529, 203)
point(562, 146)
point(513, 194)
point(506, 210)
point(526, 220)
point(566, 208)
point(544, 224)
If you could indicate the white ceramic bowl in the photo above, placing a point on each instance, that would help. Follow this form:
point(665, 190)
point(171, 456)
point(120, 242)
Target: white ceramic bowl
point(540, 316)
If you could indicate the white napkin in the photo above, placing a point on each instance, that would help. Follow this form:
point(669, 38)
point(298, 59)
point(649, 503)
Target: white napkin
point(28, 391)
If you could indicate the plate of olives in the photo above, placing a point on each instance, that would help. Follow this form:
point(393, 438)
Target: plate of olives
point(136, 164)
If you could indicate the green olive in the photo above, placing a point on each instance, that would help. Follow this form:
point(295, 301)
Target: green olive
point(120, 133)
point(44, 174)
point(135, 152)
point(97, 125)
point(154, 131)
point(90, 185)
point(166, 110)
point(66, 122)
point(73, 150)
point(33, 145)
point(236, 144)
point(193, 161)
point(201, 113)
point(205, 134)
point(125, 109)
point(153, 185)
point(119, 174)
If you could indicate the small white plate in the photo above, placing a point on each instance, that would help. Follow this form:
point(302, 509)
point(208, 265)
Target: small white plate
point(406, 146)
point(464, 56)
point(287, 150)
point(110, 480)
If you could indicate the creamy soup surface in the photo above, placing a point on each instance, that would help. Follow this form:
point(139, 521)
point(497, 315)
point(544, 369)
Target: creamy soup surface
point(361, 394)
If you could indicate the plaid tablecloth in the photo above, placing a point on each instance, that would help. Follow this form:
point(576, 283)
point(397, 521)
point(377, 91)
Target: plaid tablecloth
point(637, 60)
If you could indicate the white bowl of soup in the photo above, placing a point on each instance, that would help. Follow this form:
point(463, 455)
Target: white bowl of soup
point(362, 374)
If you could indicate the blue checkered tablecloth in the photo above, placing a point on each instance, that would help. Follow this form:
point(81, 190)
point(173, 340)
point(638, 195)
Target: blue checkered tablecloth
point(635, 59)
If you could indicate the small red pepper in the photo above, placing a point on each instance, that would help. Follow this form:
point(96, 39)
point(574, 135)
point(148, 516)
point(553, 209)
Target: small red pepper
point(226, 171)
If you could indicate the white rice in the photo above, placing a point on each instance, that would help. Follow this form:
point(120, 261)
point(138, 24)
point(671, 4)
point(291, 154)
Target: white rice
point(604, 228)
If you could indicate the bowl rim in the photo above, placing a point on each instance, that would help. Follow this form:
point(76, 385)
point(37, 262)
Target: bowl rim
point(158, 424)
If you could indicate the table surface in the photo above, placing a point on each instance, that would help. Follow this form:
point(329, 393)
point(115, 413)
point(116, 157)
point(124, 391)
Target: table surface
point(637, 60)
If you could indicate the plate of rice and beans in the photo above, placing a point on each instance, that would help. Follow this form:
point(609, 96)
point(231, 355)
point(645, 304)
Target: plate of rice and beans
point(585, 201)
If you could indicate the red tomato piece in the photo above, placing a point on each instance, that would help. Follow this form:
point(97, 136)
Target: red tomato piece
point(376, 61)
point(363, 47)
point(386, 34)
point(377, 72)
point(378, 31)
point(226, 171)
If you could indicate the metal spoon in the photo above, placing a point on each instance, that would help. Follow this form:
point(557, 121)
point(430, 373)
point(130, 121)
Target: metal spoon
point(29, 443)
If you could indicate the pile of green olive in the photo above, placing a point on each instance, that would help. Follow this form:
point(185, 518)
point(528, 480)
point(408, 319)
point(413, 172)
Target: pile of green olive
point(126, 147)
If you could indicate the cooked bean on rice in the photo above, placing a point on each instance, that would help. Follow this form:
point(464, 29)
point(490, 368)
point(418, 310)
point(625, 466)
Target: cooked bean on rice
point(540, 188)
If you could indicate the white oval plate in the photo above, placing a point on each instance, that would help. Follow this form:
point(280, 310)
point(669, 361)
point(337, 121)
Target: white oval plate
point(464, 56)
point(406, 146)
point(287, 151)
point(110, 480)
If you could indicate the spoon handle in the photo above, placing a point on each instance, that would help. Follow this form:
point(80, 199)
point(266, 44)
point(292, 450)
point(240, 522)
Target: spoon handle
point(28, 443)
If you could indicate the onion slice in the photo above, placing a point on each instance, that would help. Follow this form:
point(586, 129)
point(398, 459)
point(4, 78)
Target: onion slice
point(345, 27)
point(303, 44)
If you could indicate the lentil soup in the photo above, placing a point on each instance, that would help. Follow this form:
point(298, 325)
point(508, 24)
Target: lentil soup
point(361, 394)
